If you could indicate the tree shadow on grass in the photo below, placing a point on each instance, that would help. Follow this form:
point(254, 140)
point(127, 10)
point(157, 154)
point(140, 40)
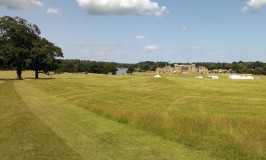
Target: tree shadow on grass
point(31, 78)
point(7, 79)
point(27, 78)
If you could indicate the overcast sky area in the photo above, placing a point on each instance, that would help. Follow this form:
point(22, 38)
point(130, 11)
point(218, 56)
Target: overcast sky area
point(131, 31)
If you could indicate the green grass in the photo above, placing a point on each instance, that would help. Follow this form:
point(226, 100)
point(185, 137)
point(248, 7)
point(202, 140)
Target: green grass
point(23, 135)
point(38, 125)
point(132, 117)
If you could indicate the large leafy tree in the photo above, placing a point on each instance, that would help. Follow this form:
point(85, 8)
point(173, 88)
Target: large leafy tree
point(21, 46)
point(16, 41)
point(42, 57)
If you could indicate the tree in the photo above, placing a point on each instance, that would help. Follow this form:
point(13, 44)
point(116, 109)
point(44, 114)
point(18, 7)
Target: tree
point(258, 64)
point(1, 63)
point(146, 66)
point(258, 70)
point(16, 41)
point(264, 69)
point(242, 68)
point(131, 69)
point(161, 64)
point(82, 67)
point(69, 66)
point(42, 56)
point(109, 68)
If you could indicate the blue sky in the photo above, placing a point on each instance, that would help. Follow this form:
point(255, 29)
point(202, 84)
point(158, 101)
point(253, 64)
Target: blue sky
point(158, 30)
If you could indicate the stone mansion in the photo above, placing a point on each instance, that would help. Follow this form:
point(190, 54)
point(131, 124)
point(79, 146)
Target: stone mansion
point(182, 69)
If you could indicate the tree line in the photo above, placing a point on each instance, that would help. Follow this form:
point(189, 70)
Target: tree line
point(86, 66)
point(237, 67)
point(76, 65)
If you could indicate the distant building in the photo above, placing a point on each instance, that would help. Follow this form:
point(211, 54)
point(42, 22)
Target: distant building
point(182, 69)
point(219, 71)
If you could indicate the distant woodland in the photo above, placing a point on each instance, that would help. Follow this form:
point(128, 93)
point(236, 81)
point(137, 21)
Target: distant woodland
point(240, 67)
point(86, 66)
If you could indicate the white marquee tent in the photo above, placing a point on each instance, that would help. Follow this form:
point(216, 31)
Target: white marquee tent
point(240, 77)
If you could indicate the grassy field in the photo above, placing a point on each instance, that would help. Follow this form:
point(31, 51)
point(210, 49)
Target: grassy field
point(131, 117)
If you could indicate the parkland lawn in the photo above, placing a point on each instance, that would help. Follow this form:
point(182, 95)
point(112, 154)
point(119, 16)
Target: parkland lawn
point(131, 117)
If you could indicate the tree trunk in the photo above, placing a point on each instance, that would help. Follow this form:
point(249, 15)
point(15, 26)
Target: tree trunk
point(19, 73)
point(36, 74)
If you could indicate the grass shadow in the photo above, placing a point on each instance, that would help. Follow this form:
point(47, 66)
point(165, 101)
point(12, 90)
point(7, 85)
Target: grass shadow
point(7, 79)
point(31, 78)
point(27, 78)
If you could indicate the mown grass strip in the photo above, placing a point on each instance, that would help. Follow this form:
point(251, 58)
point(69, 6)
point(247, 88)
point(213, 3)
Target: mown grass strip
point(96, 137)
point(24, 136)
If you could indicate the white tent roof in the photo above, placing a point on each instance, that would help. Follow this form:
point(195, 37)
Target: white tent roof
point(240, 77)
point(213, 77)
point(199, 77)
point(157, 76)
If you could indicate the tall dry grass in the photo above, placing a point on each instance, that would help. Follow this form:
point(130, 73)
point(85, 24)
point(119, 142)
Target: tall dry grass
point(224, 137)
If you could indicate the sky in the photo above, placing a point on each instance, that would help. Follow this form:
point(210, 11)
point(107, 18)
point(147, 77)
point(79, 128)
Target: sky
point(131, 31)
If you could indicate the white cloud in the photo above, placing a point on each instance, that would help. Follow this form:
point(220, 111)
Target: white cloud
point(54, 11)
point(122, 7)
point(183, 29)
point(140, 37)
point(21, 4)
point(152, 47)
point(253, 6)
